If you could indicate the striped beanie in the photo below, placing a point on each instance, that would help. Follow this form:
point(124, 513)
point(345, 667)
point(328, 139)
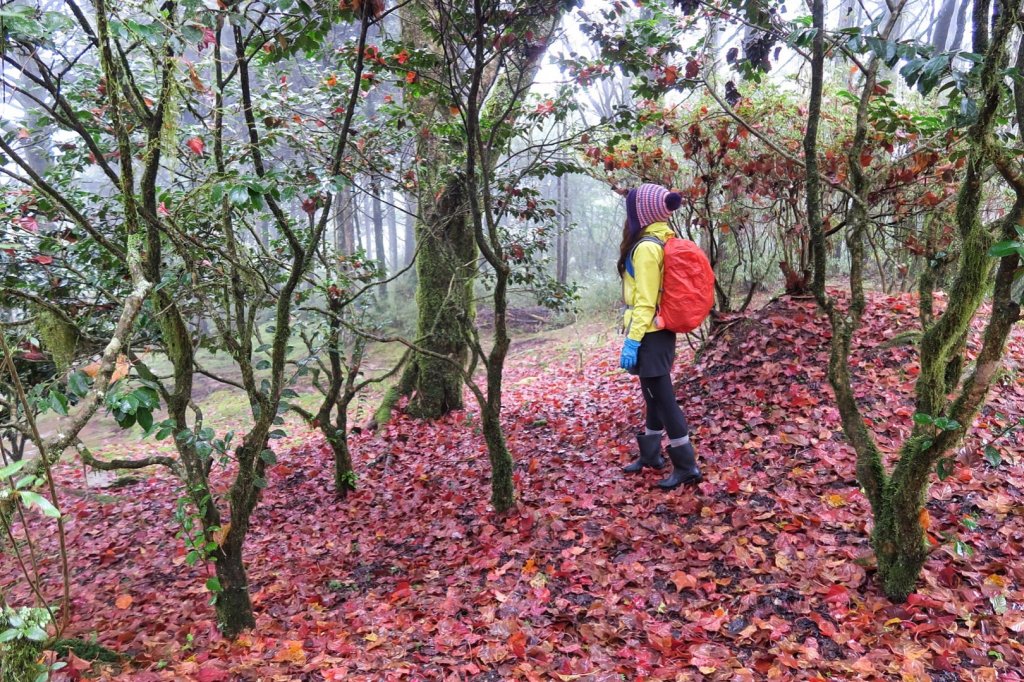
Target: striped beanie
point(649, 204)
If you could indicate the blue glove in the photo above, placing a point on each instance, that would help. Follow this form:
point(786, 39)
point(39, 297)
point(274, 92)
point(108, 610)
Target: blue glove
point(627, 360)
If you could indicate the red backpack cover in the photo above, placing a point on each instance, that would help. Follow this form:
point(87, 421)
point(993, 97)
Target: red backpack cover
point(687, 286)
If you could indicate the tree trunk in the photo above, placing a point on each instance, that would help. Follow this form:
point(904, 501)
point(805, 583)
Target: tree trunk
point(392, 232)
point(562, 241)
point(409, 221)
point(444, 297)
point(344, 474)
point(961, 24)
point(233, 605)
point(346, 213)
point(503, 493)
point(357, 227)
point(899, 545)
point(942, 22)
point(378, 232)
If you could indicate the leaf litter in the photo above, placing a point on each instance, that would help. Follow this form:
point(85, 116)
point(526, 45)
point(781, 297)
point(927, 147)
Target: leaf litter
point(764, 572)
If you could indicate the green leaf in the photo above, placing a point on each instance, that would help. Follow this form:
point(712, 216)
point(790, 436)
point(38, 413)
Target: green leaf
point(239, 196)
point(213, 584)
point(1005, 248)
point(191, 33)
point(145, 418)
point(998, 602)
point(30, 481)
point(9, 634)
point(32, 499)
point(944, 468)
point(259, 482)
point(992, 456)
point(12, 468)
point(962, 549)
point(36, 634)
point(934, 66)
point(947, 424)
point(268, 456)
point(923, 419)
point(78, 384)
point(58, 403)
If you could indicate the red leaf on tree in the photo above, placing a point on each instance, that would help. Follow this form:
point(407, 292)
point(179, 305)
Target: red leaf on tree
point(196, 144)
point(209, 38)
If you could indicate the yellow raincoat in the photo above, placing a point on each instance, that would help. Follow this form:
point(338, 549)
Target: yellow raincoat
point(642, 292)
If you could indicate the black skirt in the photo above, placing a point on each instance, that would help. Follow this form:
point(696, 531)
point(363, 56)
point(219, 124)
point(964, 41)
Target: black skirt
point(657, 354)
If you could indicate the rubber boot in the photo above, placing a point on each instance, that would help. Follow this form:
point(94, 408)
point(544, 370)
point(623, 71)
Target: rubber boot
point(650, 453)
point(684, 467)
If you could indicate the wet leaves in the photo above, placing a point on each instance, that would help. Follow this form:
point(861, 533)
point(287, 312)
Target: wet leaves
point(764, 572)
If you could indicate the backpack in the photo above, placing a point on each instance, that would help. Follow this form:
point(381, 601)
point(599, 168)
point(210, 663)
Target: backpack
point(687, 285)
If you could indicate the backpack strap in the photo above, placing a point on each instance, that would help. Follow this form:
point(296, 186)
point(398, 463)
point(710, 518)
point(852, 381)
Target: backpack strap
point(629, 258)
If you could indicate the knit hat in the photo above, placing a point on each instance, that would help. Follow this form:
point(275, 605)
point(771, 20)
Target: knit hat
point(649, 204)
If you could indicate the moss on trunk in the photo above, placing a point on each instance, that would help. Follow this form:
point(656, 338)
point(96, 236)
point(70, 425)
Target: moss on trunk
point(344, 474)
point(233, 605)
point(58, 335)
point(898, 538)
point(503, 492)
point(445, 267)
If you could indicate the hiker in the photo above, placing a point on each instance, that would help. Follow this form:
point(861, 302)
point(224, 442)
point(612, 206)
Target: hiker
point(649, 351)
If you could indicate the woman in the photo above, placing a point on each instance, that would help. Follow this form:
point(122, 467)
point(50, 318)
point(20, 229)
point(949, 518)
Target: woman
point(648, 351)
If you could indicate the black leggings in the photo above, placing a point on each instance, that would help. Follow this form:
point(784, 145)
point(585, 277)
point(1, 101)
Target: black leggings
point(662, 409)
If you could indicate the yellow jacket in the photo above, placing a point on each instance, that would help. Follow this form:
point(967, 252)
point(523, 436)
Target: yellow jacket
point(642, 292)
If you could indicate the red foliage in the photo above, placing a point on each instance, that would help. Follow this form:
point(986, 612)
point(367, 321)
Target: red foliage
point(759, 574)
point(196, 144)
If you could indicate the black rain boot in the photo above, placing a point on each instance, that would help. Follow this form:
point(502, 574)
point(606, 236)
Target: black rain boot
point(650, 453)
point(684, 467)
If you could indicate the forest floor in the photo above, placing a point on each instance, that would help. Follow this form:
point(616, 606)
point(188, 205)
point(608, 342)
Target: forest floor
point(763, 572)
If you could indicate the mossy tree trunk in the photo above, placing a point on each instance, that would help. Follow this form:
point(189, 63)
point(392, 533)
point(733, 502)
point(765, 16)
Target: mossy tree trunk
point(445, 268)
point(446, 258)
point(897, 499)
